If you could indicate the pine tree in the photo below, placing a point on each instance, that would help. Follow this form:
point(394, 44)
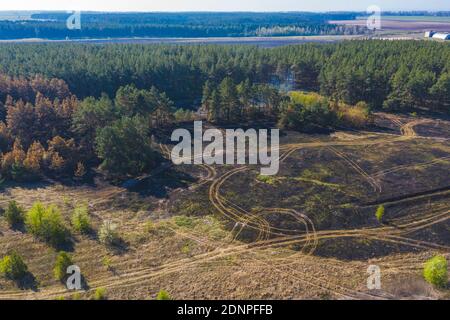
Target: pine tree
point(229, 100)
point(206, 96)
point(13, 162)
point(34, 158)
point(244, 90)
point(214, 112)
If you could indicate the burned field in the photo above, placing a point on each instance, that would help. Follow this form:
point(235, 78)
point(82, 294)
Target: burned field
point(201, 231)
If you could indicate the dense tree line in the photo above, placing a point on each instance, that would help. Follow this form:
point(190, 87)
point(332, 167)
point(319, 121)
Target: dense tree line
point(21, 88)
point(228, 102)
point(390, 74)
point(200, 18)
point(71, 108)
point(113, 25)
point(58, 31)
point(64, 137)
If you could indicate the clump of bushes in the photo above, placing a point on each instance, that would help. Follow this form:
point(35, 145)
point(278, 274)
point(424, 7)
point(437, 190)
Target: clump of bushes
point(307, 113)
point(108, 234)
point(310, 112)
point(63, 261)
point(163, 295)
point(81, 221)
point(379, 214)
point(357, 116)
point(13, 267)
point(14, 214)
point(435, 271)
point(47, 224)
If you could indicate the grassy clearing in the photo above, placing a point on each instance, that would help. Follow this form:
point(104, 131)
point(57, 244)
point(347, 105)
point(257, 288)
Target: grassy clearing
point(208, 226)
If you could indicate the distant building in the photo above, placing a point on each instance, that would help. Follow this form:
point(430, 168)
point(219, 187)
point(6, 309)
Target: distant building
point(441, 36)
point(429, 34)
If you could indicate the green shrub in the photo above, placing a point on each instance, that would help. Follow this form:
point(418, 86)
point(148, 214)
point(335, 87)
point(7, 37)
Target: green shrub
point(107, 262)
point(63, 261)
point(187, 247)
point(14, 214)
point(184, 221)
point(108, 234)
point(13, 266)
point(100, 294)
point(80, 219)
point(163, 295)
point(266, 179)
point(47, 224)
point(380, 213)
point(435, 271)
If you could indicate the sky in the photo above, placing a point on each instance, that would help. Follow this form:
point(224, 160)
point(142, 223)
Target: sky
point(223, 5)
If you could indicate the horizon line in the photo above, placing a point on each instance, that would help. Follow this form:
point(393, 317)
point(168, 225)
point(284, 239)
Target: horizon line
point(220, 11)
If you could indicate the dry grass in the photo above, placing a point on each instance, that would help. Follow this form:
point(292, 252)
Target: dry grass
point(196, 255)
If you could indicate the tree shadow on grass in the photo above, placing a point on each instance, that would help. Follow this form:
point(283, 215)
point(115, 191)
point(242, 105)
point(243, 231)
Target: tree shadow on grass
point(160, 185)
point(91, 233)
point(27, 282)
point(25, 185)
point(68, 245)
point(119, 247)
point(19, 227)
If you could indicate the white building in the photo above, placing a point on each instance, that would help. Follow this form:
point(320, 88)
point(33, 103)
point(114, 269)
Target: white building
point(441, 36)
point(429, 34)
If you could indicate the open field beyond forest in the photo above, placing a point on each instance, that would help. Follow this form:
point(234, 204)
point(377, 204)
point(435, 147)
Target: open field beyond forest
point(264, 42)
point(412, 24)
point(224, 232)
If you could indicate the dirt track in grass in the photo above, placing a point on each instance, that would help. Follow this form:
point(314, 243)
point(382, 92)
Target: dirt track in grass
point(279, 239)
